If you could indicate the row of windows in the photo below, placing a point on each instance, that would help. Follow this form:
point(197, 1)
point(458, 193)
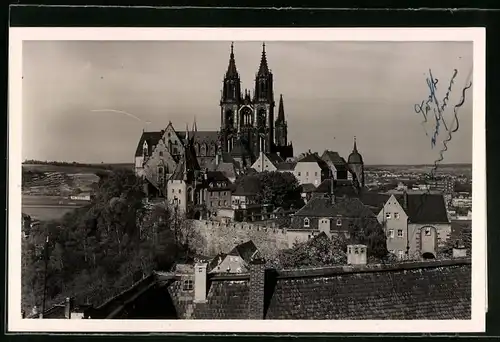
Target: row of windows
point(388, 216)
point(307, 222)
point(391, 233)
point(216, 193)
point(307, 174)
point(357, 250)
point(213, 203)
point(427, 232)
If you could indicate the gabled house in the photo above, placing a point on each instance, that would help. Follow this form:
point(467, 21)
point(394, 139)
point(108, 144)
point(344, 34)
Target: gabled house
point(267, 162)
point(236, 261)
point(336, 163)
point(415, 223)
point(311, 169)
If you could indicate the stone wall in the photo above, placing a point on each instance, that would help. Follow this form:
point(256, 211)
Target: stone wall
point(217, 237)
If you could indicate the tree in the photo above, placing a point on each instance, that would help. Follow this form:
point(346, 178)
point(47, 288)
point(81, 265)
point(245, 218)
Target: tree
point(317, 252)
point(369, 232)
point(280, 189)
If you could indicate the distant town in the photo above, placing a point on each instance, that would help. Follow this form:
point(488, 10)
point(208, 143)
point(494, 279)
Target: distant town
point(234, 224)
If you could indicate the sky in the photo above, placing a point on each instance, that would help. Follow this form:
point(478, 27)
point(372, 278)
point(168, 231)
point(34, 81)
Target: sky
point(75, 93)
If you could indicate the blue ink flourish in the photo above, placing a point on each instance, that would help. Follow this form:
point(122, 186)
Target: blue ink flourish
point(432, 103)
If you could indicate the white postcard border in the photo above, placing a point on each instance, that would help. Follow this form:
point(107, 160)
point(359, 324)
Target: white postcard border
point(17, 35)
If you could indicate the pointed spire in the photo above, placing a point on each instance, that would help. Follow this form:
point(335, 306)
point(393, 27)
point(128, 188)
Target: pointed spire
point(263, 68)
point(187, 134)
point(281, 110)
point(195, 127)
point(355, 149)
point(231, 69)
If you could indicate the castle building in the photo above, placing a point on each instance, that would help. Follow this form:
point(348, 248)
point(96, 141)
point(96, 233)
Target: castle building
point(247, 128)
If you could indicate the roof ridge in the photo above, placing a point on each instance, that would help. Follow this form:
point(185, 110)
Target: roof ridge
point(350, 269)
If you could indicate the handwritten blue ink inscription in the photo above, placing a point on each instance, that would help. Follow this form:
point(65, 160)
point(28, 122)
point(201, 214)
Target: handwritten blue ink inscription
point(435, 107)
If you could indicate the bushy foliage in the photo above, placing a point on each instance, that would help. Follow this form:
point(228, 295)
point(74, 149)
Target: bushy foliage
point(96, 251)
point(281, 189)
point(369, 232)
point(317, 252)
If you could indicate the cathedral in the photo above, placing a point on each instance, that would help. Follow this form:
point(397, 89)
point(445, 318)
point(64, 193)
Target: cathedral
point(247, 128)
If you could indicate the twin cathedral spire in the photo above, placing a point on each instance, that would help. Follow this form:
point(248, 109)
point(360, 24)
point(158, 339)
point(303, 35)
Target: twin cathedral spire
point(247, 120)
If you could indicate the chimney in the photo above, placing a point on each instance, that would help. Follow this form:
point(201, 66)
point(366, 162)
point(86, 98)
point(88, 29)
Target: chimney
point(256, 300)
point(67, 308)
point(459, 250)
point(405, 199)
point(200, 283)
point(356, 254)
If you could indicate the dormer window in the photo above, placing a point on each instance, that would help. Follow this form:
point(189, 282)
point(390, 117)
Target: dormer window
point(339, 222)
point(306, 223)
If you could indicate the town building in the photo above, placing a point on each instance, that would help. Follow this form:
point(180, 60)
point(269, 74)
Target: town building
point(415, 223)
point(331, 215)
point(218, 194)
point(311, 169)
point(236, 261)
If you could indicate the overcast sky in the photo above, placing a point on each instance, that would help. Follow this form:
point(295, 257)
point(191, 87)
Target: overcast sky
point(332, 92)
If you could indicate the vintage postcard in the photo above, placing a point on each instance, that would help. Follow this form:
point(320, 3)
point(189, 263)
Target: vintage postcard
point(247, 180)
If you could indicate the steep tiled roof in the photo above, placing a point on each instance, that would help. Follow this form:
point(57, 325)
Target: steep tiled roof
point(151, 138)
point(200, 136)
point(334, 158)
point(340, 188)
point(244, 250)
point(345, 207)
point(314, 158)
point(439, 292)
point(216, 176)
point(274, 158)
point(424, 207)
point(415, 290)
point(286, 166)
point(225, 299)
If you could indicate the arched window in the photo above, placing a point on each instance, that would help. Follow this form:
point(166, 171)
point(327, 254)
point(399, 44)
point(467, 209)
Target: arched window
point(212, 149)
point(203, 150)
point(229, 118)
point(307, 223)
point(261, 118)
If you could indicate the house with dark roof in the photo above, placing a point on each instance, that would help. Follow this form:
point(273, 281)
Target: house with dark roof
point(337, 164)
point(311, 169)
point(286, 166)
point(68, 309)
point(245, 200)
point(267, 162)
point(236, 261)
point(415, 223)
point(332, 215)
point(430, 290)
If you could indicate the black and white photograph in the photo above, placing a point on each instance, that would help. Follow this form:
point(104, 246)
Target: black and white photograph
point(319, 179)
